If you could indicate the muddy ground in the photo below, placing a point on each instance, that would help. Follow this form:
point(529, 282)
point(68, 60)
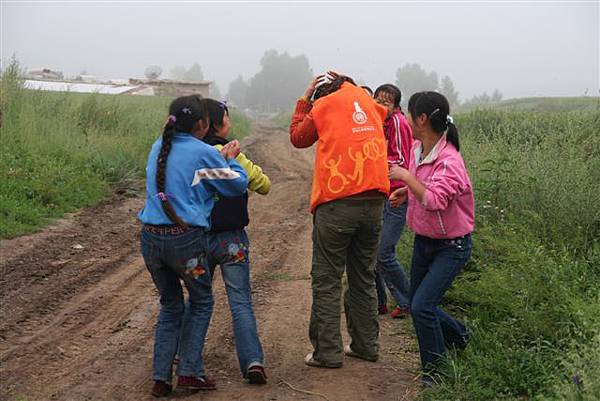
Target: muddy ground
point(78, 307)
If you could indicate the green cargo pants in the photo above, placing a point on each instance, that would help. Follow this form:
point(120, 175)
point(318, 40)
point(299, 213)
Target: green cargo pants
point(345, 236)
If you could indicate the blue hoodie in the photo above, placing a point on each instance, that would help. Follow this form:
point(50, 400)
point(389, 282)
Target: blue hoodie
point(195, 172)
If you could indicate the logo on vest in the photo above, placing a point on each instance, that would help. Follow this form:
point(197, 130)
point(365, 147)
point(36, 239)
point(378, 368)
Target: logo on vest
point(359, 116)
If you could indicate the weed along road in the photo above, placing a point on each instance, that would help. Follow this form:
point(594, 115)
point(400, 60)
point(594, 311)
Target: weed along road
point(78, 306)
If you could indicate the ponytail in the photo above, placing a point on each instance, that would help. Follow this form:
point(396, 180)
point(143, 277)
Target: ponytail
point(435, 106)
point(452, 135)
point(185, 112)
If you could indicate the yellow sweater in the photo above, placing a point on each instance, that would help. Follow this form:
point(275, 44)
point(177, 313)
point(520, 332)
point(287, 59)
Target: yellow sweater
point(258, 181)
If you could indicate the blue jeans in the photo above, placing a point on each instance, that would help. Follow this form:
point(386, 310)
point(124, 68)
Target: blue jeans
point(388, 270)
point(435, 264)
point(230, 250)
point(169, 259)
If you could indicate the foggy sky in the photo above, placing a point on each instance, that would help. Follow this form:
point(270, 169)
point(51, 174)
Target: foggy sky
point(522, 48)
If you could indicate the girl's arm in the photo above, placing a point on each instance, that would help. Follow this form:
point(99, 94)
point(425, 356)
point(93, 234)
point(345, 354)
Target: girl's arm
point(222, 176)
point(447, 181)
point(258, 181)
point(303, 132)
point(415, 186)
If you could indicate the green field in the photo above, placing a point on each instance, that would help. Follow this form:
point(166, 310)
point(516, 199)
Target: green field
point(531, 291)
point(543, 104)
point(63, 151)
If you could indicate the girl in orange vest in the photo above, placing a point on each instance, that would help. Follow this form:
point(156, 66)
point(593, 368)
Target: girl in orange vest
point(350, 184)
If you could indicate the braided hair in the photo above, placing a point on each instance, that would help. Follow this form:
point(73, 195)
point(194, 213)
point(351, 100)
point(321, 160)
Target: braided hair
point(184, 114)
point(330, 87)
point(435, 106)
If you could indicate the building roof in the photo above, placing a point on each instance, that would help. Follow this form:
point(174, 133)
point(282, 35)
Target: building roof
point(59, 86)
point(161, 82)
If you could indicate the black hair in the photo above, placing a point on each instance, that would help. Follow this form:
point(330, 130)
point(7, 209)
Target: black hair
point(435, 106)
point(329, 88)
point(184, 114)
point(392, 90)
point(365, 87)
point(216, 112)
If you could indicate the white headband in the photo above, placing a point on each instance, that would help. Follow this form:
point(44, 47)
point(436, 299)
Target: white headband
point(326, 79)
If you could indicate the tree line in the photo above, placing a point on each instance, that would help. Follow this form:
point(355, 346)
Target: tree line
point(282, 77)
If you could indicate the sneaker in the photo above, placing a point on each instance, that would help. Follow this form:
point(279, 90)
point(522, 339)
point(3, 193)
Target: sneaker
point(383, 309)
point(161, 388)
point(310, 361)
point(196, 383)
point(430, 380)
point(400, 312)
point(256, 375)
point(348, 352)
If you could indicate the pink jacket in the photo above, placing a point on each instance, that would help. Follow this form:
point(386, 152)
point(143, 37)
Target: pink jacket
point(448, 207)
point(399, 143)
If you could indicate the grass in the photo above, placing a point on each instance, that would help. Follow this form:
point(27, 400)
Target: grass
point(63, 151)
point(543, 104)
point(530, 292)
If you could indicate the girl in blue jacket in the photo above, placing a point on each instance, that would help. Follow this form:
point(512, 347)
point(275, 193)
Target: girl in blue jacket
point(183, 175)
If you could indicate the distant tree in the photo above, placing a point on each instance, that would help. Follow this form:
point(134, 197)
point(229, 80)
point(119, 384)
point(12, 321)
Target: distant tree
point(194, 73)
point(281, 80)
point(238, 92)
point(484, 99)
point(177, 72)
point(412, 78)
point(215, 92)
point(496, 96)
point(447, 89)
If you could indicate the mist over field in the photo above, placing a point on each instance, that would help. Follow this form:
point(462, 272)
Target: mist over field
point(521, 48)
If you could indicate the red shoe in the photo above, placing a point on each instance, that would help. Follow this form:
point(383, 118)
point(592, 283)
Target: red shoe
point(399, 312)
point(256, 375)
point(161, 388)
point(383, 309)
point(196, 383)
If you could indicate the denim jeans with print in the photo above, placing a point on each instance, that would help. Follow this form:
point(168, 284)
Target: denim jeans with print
point(171, 259)
point(230, 250)
point(388, 270)
point(435, 264)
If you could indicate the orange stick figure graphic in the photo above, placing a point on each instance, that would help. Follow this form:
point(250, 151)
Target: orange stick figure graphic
point(359, 166)
point(374, 149)
point(332, 166)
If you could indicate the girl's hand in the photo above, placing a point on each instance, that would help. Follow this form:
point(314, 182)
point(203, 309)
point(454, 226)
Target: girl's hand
point(311, 87)
point(399, 196)
point(398, 173)
point(231, 150)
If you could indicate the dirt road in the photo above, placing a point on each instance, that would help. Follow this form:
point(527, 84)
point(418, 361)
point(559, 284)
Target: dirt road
point(78, 307)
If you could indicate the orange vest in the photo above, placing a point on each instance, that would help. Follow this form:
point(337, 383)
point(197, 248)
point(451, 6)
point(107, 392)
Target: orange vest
point(351, 151)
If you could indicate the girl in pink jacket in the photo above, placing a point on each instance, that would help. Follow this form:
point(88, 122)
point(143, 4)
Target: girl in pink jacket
point(441, 213)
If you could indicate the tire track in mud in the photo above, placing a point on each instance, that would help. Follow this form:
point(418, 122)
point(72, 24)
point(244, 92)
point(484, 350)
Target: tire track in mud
point(78, 323)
